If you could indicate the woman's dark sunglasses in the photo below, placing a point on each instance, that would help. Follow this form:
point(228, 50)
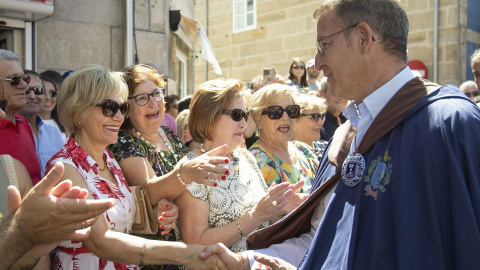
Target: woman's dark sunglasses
point(111, 107)
point(299, 67)
point(275, 112)
point(143, 99)
point(236, 114)
point(3, 105)
point(38, 90)
point(315, 116)
point(15, 80)
point(53, 93)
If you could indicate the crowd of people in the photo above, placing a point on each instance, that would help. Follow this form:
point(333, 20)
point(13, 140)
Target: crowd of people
point(341, 172)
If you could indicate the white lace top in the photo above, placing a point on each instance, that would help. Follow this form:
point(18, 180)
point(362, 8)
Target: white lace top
point(235, 196)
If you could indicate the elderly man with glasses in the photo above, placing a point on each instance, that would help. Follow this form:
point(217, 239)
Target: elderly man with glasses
point(48, 139)
point(16, 135)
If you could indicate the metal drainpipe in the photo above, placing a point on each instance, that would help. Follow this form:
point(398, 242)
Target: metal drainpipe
point(206, 32)
point(435, 42)
point(128, 33)
point(459, 54)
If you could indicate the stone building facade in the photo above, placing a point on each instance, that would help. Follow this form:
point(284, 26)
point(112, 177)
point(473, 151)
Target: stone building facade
point(285, 29)
point(79, 33)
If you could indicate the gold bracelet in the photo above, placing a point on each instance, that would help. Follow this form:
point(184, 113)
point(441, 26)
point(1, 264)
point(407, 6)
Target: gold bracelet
point(240, 228)
point(142, 253)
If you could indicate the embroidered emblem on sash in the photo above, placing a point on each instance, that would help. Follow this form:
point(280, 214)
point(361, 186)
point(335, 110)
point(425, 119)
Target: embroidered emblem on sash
point(378, 175)
point(352, 170)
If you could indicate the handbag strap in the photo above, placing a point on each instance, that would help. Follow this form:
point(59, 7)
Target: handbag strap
point(9, 170)
point(8, 176)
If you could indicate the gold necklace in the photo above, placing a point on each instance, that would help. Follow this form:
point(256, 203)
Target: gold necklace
point(105, 167)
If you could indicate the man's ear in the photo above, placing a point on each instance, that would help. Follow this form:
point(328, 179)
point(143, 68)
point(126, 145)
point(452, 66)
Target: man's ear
point(366, 36)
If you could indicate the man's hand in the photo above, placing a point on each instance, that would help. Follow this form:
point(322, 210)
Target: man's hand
point(268, 262)
point(50, 213)
point(231, 260)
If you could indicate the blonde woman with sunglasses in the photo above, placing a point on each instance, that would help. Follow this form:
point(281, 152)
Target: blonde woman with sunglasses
point(275, 110)
point(310, 122)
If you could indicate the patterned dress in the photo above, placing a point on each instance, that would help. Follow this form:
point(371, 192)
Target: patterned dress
point(163, 162)
point(274, 170)
point(74, 254)
point(235, 196)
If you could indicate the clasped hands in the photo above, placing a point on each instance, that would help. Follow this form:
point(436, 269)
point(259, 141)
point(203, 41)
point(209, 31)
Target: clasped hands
point(239, 261)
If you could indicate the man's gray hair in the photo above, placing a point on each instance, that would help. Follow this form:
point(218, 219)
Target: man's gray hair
point(8, 55)
point(385, 17)
point(475, 56)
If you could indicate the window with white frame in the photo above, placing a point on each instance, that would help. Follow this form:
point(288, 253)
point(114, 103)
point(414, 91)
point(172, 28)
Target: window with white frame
point(244, 15)
point(181, 74)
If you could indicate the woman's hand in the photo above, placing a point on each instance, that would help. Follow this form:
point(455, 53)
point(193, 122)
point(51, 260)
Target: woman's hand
point(167, 215)
point(205, 167)
point(277, 79)
point(272, 203)
point(295, 199)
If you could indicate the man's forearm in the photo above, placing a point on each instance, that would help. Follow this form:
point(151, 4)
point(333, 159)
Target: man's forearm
point(14, 243)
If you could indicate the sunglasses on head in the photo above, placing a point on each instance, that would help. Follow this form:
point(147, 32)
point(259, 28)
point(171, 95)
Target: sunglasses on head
point(236, 114)
point(3, 105)
point(37, 90)
point(144, 98)
point(276, 112)
point(472, 94)
point(111, 107)
point(16, 79)
point(315, 116)
point(299, 67)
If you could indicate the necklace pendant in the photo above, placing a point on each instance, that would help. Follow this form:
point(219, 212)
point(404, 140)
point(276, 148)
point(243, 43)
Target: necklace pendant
point(352, 170)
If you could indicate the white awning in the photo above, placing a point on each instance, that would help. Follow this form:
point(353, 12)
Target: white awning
point(26, 10)
point(189, 31)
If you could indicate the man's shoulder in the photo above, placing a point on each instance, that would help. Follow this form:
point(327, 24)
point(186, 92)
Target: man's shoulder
point(445, 101)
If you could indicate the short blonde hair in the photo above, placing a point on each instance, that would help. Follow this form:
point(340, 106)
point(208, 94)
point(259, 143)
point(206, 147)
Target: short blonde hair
point(309, 102)
point(270, 95)
point(208, 101)
point(85, 88)
point(182, 122)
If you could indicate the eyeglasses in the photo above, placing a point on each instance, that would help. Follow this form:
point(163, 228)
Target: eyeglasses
point(299, 67)
point(472, 94)
point(111, 107)
point(143, 99)
point(320, 48)
point(276, 112)
point(315, 116)
point(3, 105)
point(16, 79)
point(52, 93)
point(37, 90)
point(236, 114)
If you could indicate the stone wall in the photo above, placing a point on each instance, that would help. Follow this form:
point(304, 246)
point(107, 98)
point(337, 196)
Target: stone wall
point(86, 32)
point(285, 29)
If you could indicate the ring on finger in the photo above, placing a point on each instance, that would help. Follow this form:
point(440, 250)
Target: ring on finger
point(208, 174)
point(274, 203)
point(83, 224)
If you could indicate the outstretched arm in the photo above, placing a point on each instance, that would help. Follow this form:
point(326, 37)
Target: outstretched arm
point(48, 214)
